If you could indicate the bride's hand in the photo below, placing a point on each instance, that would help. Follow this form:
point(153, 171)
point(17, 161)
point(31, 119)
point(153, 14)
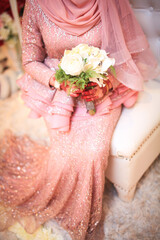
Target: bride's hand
point(72, 91)
point(96, 92)
point(53, 83)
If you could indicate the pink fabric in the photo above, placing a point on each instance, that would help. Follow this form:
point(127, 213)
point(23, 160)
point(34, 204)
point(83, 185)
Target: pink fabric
point(74, 16)
point(64, 182)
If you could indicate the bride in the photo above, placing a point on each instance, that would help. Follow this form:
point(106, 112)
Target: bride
point(65, 181)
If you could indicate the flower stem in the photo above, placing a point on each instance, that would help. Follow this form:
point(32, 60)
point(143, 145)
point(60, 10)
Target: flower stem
point(90, 107)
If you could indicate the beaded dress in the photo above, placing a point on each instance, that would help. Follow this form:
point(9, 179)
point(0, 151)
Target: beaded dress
point(64, 181)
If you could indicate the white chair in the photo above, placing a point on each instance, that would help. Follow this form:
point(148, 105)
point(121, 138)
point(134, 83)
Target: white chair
point(136, 141)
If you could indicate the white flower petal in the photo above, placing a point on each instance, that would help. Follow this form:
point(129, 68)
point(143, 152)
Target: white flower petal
point(72, 64)
point(107, 63)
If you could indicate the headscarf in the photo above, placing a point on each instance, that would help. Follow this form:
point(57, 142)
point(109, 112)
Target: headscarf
point(74, 16)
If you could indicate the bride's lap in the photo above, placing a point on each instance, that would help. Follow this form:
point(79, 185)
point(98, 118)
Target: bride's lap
point(82, 155)
point(86, 139)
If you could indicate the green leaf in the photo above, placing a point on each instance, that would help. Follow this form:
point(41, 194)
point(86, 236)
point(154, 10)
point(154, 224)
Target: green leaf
point(85, 60)
point(113, 71)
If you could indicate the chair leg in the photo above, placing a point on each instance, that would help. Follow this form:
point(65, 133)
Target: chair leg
point(125, 195)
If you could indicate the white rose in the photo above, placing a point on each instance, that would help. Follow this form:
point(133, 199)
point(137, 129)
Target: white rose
point(94, 51)
point(102, 55)
point(72, 64)
point(83, 50)
point(92, 62)
point(107, 63)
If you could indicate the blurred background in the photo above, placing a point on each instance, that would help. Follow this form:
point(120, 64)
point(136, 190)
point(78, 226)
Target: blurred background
point(11, 11)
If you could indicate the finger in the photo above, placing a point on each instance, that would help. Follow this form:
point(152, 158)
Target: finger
point(91, 99)
point(88, 92)
point(78, 91)
point(51, 82)
point(62, 86)
point(91, 84)
point(74, 95)
point(88, 97)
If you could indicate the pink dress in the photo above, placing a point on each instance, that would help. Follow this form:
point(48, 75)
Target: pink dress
point(64, 181)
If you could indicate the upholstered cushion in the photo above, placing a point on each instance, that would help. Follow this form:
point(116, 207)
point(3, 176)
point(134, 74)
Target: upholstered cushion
point(137, 123)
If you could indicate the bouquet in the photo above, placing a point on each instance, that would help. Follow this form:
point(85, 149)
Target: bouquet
point(81, 66)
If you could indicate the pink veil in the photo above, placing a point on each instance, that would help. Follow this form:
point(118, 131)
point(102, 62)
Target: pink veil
point(124, 39)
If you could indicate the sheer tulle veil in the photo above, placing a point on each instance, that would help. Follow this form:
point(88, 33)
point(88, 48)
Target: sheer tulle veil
point(125, 40)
